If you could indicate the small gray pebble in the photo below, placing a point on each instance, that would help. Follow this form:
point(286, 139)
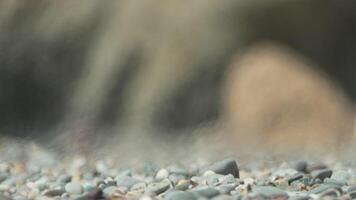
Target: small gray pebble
point(73, 188)
point(206, 191)
point(270, 192)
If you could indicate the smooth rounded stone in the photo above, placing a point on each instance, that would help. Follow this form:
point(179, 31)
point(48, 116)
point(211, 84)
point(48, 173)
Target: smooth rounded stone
point(141, 187)
point(315, 166)
point(182, 185)
point(321, 174)
point(178, 170)
point(162, 174)
point(225, 167)
point(179, 195)
point(206, 191)
point(73, 188)
point(301, 166)
point(126, 181)
point(158, 187)
point(87, 187)
point(270, 192)
point(54, 192)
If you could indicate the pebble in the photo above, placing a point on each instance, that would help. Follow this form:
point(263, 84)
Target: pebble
point(225, 167)
point(270, 192)
point(53, 193)
point(162, 174)
point(158, 187)
point(73, 188)
point(301, 166)
point(221, 180)
point(126, 181)
point(321, 174)
point(180, 195)
point(206, 191)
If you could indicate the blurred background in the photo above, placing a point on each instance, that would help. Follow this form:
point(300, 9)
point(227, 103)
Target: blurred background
point(141, 76)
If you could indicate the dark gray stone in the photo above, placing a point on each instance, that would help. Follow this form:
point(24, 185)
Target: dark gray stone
point(301, 166)
point(225, 167)
point(295, 177)
point(54, 192)
point(321, 174)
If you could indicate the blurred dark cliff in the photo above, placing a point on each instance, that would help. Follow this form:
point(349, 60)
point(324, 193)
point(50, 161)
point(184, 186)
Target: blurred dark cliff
point(159, 64)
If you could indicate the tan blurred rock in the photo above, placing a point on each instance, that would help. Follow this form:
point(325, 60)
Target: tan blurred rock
point(278, 100)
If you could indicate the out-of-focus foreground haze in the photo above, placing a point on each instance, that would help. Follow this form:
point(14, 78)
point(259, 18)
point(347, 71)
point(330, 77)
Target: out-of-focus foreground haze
point(152, 79)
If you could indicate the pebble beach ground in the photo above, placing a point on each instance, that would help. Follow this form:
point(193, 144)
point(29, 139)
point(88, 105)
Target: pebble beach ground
point(78, 178)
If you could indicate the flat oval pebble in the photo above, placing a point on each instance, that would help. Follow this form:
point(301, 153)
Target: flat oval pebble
point(270, 192)
point(73, 188)
point(158, 188)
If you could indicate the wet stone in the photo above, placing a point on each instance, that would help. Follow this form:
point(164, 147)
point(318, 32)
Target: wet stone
point(162, 174)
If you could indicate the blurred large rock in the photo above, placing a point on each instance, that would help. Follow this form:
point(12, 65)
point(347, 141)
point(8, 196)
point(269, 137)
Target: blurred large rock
point(279, 101)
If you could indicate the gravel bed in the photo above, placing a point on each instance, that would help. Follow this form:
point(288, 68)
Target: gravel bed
point(81, 179)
